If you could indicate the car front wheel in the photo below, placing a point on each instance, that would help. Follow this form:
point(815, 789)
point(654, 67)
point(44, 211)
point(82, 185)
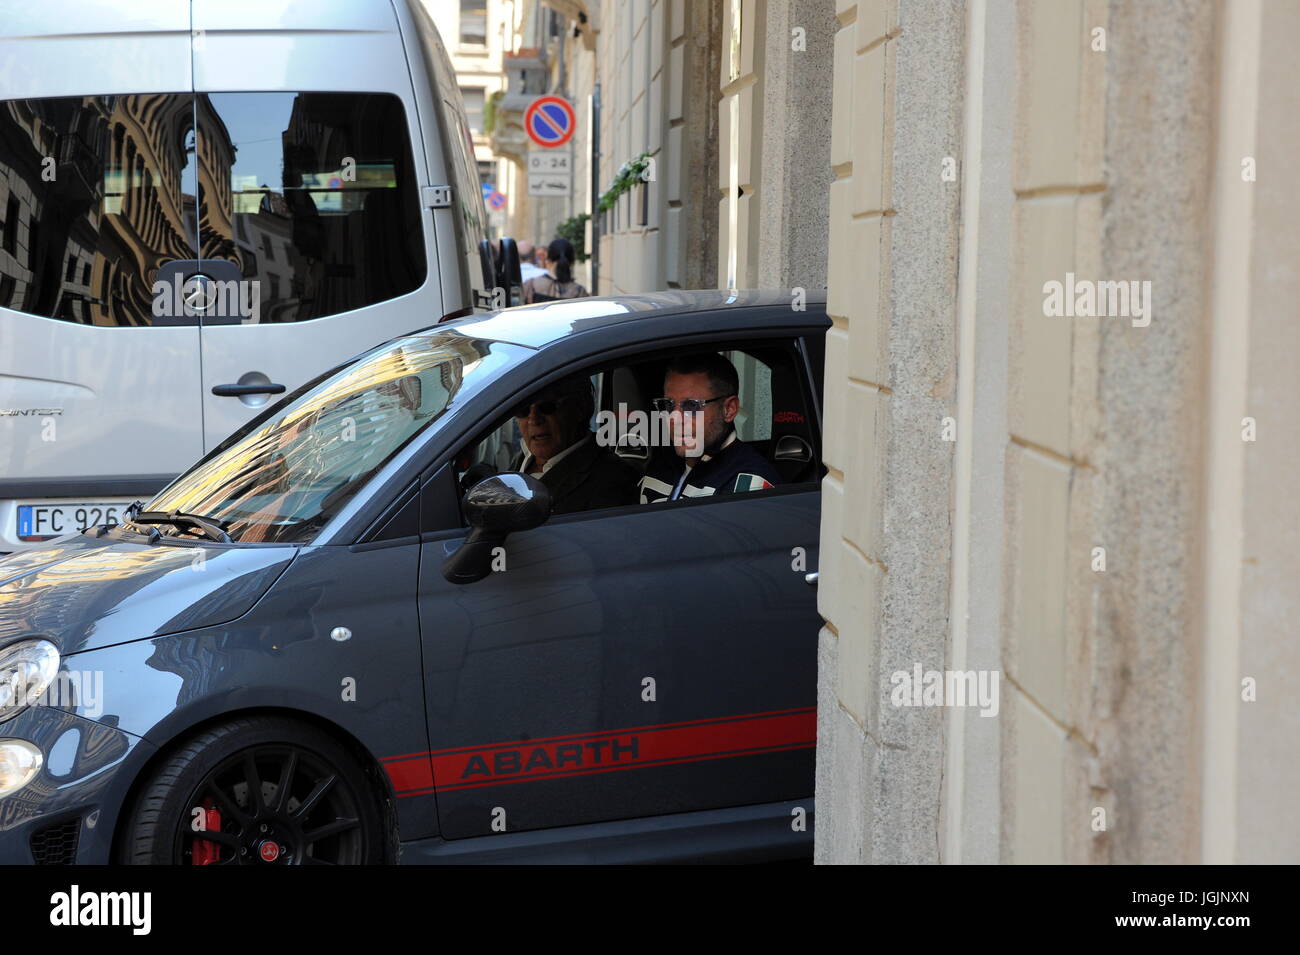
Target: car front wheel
point(256, 791)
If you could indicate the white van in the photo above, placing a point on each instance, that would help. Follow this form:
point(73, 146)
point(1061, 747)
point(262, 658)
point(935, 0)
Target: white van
point(202, 205)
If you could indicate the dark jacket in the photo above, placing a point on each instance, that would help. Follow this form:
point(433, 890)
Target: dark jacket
point(588, 478)
point(733, 469)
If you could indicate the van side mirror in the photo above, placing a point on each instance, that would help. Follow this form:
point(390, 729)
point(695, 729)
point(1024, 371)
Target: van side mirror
point(501, 269)
point(495, 508)
point(487, 264)
point(511, 272)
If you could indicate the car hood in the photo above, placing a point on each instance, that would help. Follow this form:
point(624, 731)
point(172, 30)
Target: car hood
point(84, 594)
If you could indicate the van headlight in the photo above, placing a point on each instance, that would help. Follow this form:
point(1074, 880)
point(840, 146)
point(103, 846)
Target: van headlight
point(26, 671)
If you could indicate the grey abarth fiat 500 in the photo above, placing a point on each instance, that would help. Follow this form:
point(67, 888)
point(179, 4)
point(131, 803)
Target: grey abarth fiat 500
point(364, 628)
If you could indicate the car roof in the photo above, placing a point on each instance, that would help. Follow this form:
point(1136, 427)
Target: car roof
point(535, 326)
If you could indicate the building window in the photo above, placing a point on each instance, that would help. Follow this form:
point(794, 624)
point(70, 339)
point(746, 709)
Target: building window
point(473, 22)
point(474, 99)
point(11, 226)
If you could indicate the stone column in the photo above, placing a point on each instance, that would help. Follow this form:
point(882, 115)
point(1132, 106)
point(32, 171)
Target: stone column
point(890, 384)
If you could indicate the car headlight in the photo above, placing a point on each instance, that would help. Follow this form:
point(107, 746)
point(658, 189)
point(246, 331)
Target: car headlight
point(20, 761)
point(26, 671)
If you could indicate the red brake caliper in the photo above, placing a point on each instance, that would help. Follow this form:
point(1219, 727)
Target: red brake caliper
point(204, 851)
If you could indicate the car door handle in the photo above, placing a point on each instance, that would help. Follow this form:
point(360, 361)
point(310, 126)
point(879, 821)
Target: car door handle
point(810, 579)
point(235, 391)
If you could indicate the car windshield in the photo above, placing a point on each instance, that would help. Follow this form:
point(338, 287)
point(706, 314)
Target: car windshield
point(283, 477)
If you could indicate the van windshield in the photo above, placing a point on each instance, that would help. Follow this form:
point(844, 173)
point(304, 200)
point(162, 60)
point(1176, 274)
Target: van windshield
point(281, 478)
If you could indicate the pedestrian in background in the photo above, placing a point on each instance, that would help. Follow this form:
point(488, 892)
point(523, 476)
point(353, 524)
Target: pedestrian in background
point(528, 267)
point(558, 281)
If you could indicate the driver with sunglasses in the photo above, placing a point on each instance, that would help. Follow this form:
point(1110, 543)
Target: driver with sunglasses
point(701, 400)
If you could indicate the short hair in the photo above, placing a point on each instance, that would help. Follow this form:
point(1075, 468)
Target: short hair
point(723, 380)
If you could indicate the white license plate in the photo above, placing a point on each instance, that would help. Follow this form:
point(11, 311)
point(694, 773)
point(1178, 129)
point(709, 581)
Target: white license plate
point(38, 522)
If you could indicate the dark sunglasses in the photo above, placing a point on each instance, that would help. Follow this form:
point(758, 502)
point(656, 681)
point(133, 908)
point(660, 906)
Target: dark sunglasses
point(689, 405)
point(547, 407)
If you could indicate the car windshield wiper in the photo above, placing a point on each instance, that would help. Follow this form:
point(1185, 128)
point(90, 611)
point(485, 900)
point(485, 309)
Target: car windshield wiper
point(211, 527)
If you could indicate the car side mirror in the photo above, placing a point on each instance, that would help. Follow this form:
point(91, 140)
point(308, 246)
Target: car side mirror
point(495, 508)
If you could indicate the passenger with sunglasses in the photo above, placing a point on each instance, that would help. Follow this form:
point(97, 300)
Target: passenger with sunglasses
point(701, 400)
point(561, 451)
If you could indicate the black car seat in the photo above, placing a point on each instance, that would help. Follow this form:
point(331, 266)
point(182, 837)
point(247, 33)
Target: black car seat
point(791, 448)
point(628, 391)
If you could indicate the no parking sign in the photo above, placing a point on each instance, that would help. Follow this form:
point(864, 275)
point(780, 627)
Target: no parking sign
point(550, 121)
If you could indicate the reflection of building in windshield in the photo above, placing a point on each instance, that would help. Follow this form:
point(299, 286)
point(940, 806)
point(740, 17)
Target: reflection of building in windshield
point(282, 481)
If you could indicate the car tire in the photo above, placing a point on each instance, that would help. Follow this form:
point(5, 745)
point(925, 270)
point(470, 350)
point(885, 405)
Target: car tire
point(343, 823)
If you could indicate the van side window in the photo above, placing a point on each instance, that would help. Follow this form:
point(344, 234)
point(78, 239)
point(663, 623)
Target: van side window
point(96, 192)
point(313, 196)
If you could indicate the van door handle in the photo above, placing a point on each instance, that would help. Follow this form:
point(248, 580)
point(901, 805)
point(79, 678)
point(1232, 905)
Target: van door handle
point(236, 391)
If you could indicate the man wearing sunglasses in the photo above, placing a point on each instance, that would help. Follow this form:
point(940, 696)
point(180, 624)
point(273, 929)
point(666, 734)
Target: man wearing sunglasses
point(561, 451)
point(701, 400)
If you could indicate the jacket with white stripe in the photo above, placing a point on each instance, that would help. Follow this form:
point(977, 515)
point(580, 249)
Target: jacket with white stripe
point(733, 469)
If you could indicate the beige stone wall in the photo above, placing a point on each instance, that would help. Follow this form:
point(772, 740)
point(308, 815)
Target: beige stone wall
point(890, 385)
point(1058, 184)
point(630, 64)
point(1252, 513)
point(1103, 140)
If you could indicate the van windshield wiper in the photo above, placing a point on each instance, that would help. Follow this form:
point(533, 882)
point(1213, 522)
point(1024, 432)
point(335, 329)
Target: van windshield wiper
point(211, 527)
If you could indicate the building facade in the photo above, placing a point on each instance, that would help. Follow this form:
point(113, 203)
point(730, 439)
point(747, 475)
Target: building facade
point(477, 35)
point(665, 83)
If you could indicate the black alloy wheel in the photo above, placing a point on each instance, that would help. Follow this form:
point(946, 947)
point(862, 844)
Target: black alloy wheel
point(256, 791)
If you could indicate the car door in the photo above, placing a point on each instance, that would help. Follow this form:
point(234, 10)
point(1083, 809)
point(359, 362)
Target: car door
point(629, 662)
point(312, 229)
